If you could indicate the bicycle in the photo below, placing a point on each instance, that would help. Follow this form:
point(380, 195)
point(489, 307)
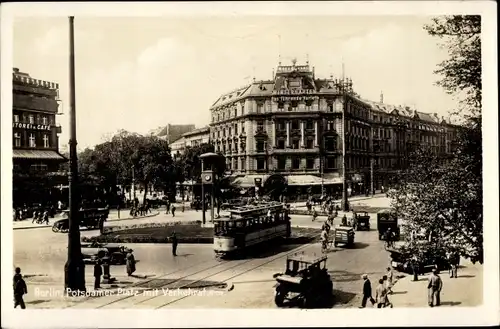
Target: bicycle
point(326, 246)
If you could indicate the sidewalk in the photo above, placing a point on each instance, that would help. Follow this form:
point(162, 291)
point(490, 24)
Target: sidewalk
point(113, 217)
point(48, 292)
point(351, 199)
point(464, 291)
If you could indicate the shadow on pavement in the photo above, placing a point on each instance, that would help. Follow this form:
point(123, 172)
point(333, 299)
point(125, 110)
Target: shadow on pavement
point(399, 292)
point(344, 276)
point(359, 245)
point(450, 303)
point(341, 297)
point(466, 276)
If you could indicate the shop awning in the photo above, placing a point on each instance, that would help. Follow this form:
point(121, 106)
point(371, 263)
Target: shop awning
point(37, 154)
point(307, 180)
point(303, 180)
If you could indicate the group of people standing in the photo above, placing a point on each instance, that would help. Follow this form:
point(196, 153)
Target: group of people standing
point(382, 291)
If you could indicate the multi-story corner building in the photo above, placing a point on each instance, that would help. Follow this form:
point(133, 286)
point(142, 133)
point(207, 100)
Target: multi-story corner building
point(296, 126)
point(35, 138)
point(190, 139)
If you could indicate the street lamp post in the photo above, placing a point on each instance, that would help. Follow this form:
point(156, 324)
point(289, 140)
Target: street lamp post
point(344, 84)
point(74, 269)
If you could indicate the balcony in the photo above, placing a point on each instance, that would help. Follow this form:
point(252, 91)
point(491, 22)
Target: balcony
point(35, 103)
point(296, 151)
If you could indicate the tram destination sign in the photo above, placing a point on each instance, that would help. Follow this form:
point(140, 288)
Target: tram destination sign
point(30, 126)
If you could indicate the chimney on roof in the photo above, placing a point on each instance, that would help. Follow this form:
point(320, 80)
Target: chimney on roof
point(381, 97)
point(16, 70)
point(313, 72)
point(273, 75)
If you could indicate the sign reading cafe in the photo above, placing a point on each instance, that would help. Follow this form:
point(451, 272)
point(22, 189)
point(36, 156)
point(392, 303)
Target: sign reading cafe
point(30, 126)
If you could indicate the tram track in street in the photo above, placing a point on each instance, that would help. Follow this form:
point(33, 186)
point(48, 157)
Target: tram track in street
point(294, 251)
point(213, 264)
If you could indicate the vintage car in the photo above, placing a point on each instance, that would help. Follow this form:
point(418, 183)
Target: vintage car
point(362, 221)
point(93, 251)
point(90, 218)
point(401, 260)
point(306, 281)
point(343, 235)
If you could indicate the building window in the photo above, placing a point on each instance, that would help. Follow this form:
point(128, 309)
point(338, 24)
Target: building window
point(16, 117)
point(281, 163)
point(236, 129)
point(330, 126)
point(260, 146)
point(38, 167)
point(260, 164)
point(243, 164)
point(330, 163)
point(281, 125)
point(229, 131)
point(281, 106)
point(243, 127)
point(46, 141)
point(235, 164)
point(330, 144)
point(280, 144)
point(32, 140)
point(295, 163)
point(31, 119)
point(310, 163)
point(309, 143)
point(17, 139)
point(309, 125)
point(260, 108)
point(295, 124)
point(295, 144)
point(235, 113)
point(260, 126)
point(330, 107)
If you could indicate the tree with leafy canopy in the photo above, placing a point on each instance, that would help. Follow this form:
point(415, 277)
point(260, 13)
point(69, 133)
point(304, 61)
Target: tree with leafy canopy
point(112, 162)
point(461, 72)
point(444, 201)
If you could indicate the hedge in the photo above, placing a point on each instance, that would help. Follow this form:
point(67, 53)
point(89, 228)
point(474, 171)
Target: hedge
point(112, 229)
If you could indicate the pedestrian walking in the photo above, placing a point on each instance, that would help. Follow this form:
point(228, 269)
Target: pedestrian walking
point(390, 280)
point(344, 220)
point(367, 291)
point(130, 263)
point(168, 207)
point(434, 288)
point(20, 289)
point(415, 267)
point(173, 210)
point(183, 207)
point(174, 244)
point(97, 274)
point(45, 217)
point(381, 294)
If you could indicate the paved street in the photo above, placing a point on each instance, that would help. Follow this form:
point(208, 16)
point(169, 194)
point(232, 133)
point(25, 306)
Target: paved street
point(41, 254)
point(45, 255)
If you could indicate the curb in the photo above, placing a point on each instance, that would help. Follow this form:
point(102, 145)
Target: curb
point(113, 220)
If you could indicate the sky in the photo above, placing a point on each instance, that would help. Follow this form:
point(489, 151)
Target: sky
point(141, 73)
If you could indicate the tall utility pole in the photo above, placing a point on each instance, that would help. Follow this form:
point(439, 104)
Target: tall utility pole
point(74, 269)
point(344, 85)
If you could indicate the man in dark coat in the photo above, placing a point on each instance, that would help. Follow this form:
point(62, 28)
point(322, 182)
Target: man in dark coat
point(174, 244)
point(19, 289)
point(173, 210)
point(367, 292)
point(97, 275)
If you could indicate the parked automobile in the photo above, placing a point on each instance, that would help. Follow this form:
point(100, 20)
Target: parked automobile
point(117, 253)
point(306, 280)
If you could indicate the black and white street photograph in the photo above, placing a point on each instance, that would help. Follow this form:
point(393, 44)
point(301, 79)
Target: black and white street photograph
point(237, 156)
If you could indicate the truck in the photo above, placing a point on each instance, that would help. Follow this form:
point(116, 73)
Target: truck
point(386, 219)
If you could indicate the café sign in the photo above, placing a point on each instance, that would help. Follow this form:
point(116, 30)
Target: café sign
point(298, 91)
point(30, 126)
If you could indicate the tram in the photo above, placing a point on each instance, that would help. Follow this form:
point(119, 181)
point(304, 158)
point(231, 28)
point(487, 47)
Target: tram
point(250, 225)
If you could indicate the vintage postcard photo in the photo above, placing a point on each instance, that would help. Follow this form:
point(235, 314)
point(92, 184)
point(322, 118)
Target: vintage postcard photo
point(251, 164)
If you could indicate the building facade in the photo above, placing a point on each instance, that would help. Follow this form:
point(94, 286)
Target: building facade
point(35, 138)
point(190, 139)
point(171, 133)
point(293, 127)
